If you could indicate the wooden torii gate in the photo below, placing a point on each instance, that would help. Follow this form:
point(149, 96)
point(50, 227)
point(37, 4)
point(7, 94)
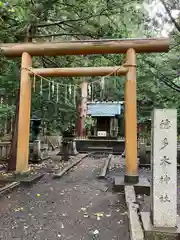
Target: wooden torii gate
point(128, 46)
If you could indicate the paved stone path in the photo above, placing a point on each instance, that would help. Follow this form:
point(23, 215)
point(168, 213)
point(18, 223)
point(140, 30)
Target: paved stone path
point(77, 206)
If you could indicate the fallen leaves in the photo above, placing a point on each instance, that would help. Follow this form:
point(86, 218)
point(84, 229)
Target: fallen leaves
point(64, 214)
point(83, 209)
point(19, 209)
point(99, 215)
point(124, 213)
point(96, 232)
point(120, 222)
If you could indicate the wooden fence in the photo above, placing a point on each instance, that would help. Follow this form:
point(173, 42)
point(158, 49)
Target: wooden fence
point(51, 141)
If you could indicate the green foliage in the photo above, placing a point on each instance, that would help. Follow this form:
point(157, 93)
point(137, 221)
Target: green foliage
point(89, 123)
point(57, 20)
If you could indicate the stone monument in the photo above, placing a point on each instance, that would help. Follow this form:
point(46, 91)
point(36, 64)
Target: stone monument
point(162, 222)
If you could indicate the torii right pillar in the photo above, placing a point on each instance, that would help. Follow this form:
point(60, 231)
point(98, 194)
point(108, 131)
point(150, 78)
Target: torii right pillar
point(131, 177)
point(131, 173)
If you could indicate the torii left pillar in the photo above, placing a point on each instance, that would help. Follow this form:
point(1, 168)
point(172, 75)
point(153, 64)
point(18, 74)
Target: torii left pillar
point(24, 115)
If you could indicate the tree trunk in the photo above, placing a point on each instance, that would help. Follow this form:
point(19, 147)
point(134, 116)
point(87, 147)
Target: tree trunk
point(13, 152)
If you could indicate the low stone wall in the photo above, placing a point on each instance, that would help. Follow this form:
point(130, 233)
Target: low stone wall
point(145, 154)
point(84, 145)
point(4, 150)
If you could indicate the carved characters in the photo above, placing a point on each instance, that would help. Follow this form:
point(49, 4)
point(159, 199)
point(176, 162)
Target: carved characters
point(165, 124)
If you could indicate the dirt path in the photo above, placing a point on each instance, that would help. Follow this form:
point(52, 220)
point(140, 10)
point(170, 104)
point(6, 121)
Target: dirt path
point(76, 207)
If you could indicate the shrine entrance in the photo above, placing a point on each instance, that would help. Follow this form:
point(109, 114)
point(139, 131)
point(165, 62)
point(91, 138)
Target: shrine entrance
point(128, 46)
point(103, 124)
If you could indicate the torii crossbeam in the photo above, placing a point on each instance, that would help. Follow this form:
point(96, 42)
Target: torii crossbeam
point(102, 46)
point(79, 72)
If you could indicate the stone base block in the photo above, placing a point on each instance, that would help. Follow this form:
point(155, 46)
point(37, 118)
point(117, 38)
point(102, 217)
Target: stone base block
point(142, 187)
point(152, 233)
point(31, 179)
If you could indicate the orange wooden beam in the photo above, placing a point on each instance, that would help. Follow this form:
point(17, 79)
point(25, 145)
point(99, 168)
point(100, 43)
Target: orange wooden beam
point(103, 46)
point(79, 71)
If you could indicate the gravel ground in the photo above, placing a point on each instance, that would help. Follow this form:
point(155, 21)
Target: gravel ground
point(77, 206)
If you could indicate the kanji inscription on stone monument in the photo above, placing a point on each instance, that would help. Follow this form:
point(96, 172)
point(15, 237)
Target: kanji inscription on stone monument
point(165, 124)
point(164, 143)
point(164, 198)
point(165, 178)
point(165, 161)
point(164, 168)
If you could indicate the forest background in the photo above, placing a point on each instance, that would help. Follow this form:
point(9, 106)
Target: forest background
point(158, 75)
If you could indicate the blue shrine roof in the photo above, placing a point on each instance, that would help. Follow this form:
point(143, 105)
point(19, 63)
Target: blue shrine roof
point(104, 109)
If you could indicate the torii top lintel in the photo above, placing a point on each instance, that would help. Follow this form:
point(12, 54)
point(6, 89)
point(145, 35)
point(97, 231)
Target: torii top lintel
point(102, 46)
